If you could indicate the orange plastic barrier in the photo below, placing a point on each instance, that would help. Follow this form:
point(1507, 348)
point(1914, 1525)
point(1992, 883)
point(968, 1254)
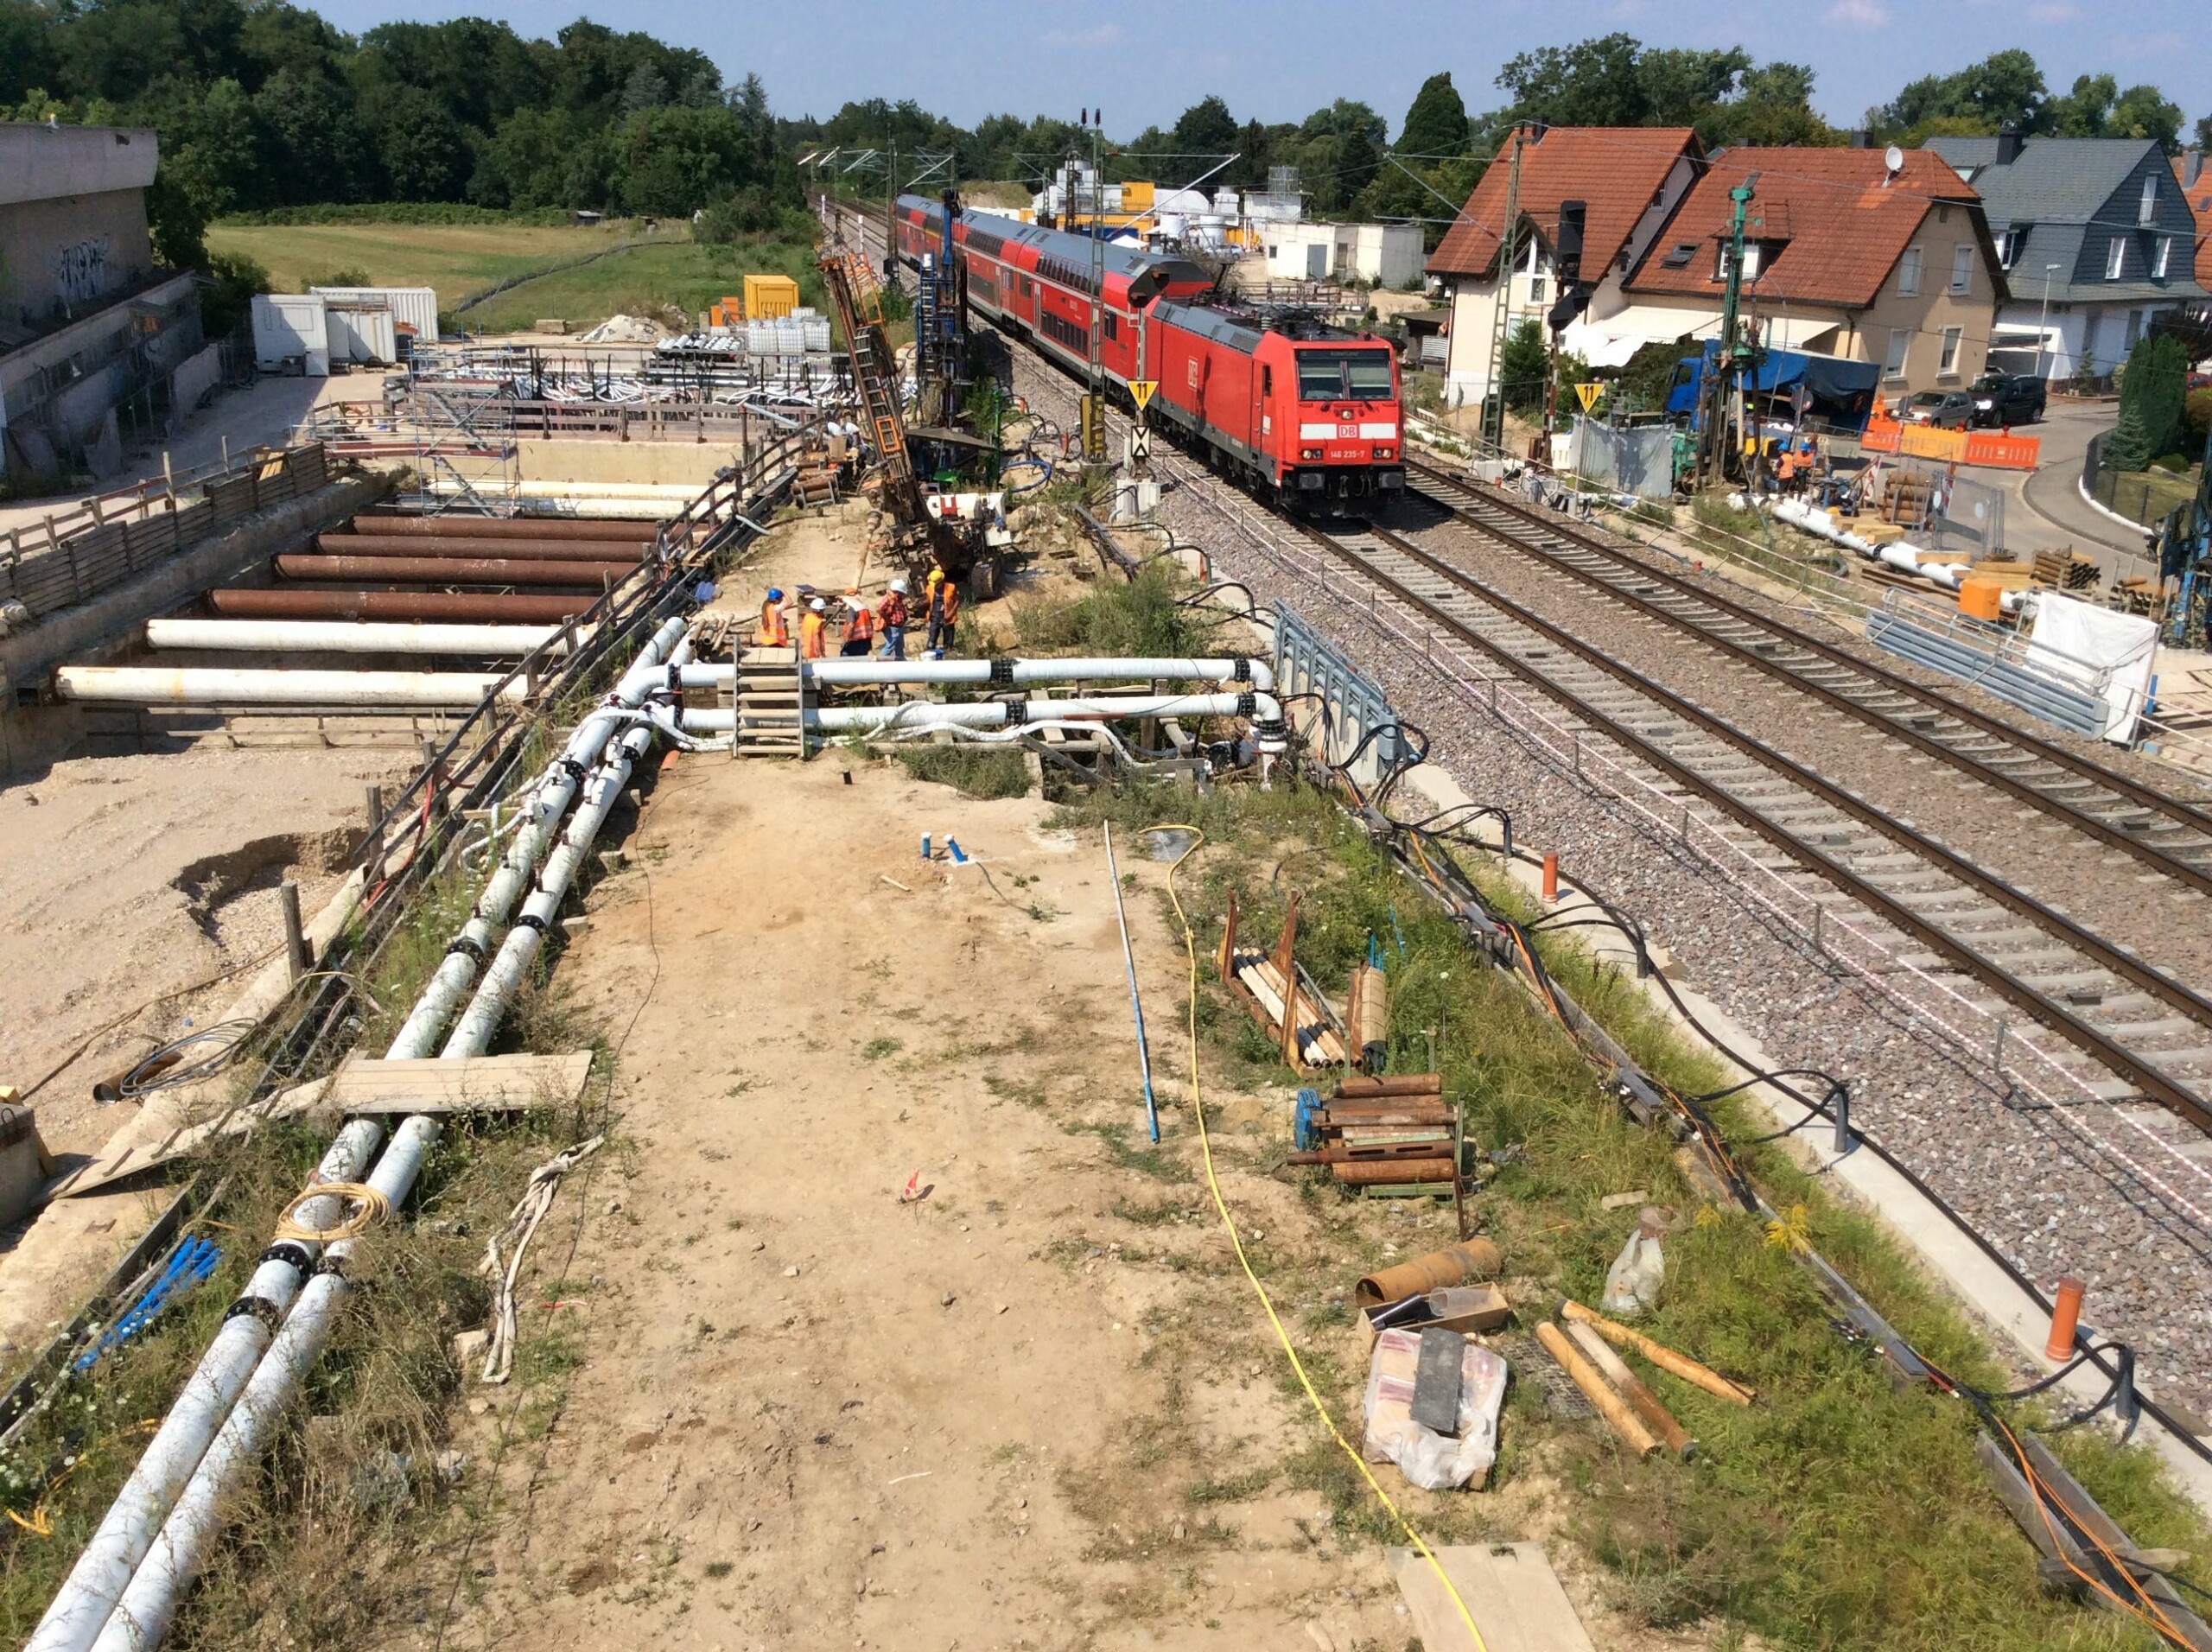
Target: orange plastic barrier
point(2007, 453)
point(1922, 442)
point(1881, 435)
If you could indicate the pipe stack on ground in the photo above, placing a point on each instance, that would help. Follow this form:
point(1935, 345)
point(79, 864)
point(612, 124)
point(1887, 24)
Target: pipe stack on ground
point(457, 607)
point(535, 528)
point(271, 636)
point(215, 685)
point(124, 1591)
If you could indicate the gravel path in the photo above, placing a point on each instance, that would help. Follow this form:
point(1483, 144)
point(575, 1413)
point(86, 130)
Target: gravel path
point(2052, 1201)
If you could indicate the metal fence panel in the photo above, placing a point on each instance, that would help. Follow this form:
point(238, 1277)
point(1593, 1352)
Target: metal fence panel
point(1638, 462)
point(1351, 704)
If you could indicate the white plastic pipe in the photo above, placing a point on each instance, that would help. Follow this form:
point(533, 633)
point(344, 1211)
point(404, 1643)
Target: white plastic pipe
point(551, 799)
point(148, 1606)
point(104, 1570)
point(347, 637)
point(836, 672)
point(1000, 714)
point(473, 1032)
point(209, 685)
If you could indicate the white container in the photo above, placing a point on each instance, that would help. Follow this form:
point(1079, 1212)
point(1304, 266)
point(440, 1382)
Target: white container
point(291, 326)
point(363, 334)
point(414, 309)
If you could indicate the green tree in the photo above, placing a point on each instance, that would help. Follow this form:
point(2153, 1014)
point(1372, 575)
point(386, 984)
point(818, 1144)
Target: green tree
point(2005, 89)
point(2153, 390)
point(1436, 123)
point(420, 147)
point(2144, 111)
point(1205, 128)
point(1592, 83)
point(1524, 367)
point(27, 57)
point(317, 151)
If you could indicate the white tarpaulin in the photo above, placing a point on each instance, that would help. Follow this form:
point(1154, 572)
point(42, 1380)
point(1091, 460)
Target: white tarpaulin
point(2108, 654)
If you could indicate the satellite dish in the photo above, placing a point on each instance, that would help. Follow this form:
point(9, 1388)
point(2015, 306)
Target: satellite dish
point(1893, 158)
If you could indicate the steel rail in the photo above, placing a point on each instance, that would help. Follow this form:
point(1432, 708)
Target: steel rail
point(2153, 1081)
point(2174, 808)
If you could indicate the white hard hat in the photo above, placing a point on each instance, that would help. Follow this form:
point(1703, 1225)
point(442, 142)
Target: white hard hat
point(818, 605)
point(899, 586)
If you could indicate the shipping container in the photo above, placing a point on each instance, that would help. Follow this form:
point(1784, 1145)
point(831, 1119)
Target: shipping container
point(287, 327)
point(414, 309)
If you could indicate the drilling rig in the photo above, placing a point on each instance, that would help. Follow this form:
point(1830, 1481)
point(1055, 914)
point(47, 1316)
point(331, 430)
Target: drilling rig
point(962, 533)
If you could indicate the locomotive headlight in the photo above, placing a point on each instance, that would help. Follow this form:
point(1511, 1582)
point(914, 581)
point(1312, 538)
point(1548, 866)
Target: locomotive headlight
point(1386, 453)
point(1309, 453)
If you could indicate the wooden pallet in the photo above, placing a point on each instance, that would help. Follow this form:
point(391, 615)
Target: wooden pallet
point(771, 702)
point(1309, 1033)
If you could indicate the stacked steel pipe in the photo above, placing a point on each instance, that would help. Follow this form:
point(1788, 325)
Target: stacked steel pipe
point(482, 569)
point(1391, 1131)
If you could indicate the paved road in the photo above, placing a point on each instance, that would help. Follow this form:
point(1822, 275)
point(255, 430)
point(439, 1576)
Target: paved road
point(2045, 509)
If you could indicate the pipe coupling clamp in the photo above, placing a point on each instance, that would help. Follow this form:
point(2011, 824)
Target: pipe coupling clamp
point(464, 944)
point(1002, 670)
point(1246, 704)
point(1017, 712)
point(261, 1309)
point(290, 1252)
point(530, 921)
point(1243, 673)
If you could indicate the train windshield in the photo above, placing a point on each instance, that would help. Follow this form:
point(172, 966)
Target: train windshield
point(1344, 375)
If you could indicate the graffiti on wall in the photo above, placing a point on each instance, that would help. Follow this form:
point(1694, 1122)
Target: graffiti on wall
point(80, 272)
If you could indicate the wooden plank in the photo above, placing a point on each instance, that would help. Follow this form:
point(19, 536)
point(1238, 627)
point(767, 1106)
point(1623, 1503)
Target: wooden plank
point(477, 1084)
point(1510, 1591)
point(144, 1156)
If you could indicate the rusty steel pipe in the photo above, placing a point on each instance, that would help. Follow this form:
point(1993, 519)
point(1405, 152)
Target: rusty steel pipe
point(561, 551)
point(1410, 1084)
point(471, 608)
point(1456, 1265)
point(466, 527)
point(454, 570)
point(1384, 1173)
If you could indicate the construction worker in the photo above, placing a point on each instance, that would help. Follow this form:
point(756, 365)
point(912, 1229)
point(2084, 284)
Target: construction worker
point(944, 613)
point(814, 631)
point(892, 613)
point(859, 627)
point(772, 633)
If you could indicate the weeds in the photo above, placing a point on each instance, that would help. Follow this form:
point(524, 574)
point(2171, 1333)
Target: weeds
point(984, 773)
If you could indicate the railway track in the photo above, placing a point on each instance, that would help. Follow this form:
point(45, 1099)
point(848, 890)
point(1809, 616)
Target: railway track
point(2169, 835)
point(2036, 959)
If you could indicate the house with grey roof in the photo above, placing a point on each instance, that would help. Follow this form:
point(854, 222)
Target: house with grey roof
point(2095, 237)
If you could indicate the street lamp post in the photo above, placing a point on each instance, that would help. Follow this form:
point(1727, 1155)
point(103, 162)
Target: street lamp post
point(2042, 320)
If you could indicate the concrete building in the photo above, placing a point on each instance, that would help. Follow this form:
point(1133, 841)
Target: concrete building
point(92, 334)
point(1629, 179)
point(1381, 255)
point(1844, 255)
point(2096, 235)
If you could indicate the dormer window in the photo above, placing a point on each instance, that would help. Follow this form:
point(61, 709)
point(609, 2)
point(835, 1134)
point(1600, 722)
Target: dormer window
point(1679, 255)
point(2015, 242)
point(2148, 211)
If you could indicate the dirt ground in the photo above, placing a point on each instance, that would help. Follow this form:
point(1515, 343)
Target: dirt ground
point(124, 878)
point(768, 1401)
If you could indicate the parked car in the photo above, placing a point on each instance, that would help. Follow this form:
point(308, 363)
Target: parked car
point(2007, 399)
point(1947, 409)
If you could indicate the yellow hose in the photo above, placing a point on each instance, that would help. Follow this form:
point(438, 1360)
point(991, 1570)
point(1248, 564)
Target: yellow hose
point(1221, 1206)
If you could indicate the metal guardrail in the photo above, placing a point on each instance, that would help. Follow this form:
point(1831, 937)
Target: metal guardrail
point(75, 554)
point(1353, 706)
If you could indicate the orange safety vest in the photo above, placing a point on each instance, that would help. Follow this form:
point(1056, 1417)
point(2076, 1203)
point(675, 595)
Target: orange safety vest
point(861, 628)
point(771, 632)
point(944, 601)
point(811, 629)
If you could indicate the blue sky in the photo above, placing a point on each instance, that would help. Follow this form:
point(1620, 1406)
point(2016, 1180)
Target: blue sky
point(1145, 60)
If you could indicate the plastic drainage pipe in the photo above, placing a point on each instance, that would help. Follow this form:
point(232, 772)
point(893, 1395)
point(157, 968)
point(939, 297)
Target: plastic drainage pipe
point(504, 975)
point(209, 685)
point(344, 637)
point(143, 1615)
point(836, 672)
point(556, 789)
point(104, 1570)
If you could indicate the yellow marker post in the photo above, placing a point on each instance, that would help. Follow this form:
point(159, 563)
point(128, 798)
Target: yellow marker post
point(1140, 391)
point(1587, 395)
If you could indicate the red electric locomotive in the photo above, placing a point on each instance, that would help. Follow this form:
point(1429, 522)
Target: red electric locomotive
point(1306, 412)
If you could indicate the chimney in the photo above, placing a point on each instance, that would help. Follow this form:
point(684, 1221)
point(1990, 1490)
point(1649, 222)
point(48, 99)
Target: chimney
point(1862, 139)
point(2192, 164)
point(2008, 145)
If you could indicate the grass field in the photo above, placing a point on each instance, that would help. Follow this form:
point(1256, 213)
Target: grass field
point(459, 260)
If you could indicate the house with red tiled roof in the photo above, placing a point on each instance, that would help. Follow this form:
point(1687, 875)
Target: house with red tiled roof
point(2196, 185)
point(1880, 257)
point(1629, 179)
